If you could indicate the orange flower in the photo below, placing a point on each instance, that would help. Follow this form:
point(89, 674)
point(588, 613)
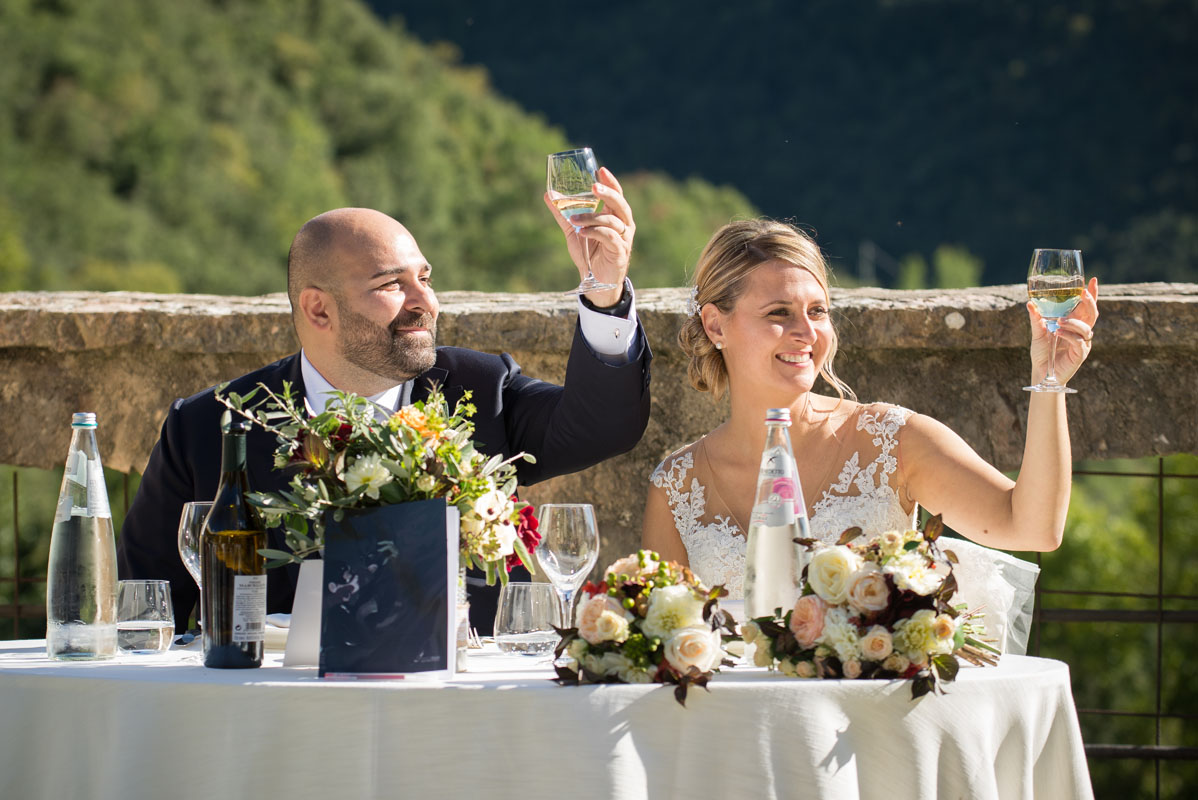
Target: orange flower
point(411, 417)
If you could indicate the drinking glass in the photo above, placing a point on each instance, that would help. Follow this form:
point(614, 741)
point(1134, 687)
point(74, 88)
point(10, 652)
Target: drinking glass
point(145, 620)
point(570, 182)
point(191, 525)
point(569, 548)
point(1055, 285)
point(528, 612)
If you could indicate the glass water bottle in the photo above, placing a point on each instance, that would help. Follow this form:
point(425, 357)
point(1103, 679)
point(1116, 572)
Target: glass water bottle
point(81, 572)
point(773, 561)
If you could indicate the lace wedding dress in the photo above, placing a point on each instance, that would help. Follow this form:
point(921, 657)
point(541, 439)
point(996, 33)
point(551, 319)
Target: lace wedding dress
point(861, 495)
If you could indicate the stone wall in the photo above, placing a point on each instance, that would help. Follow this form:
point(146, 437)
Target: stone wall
point(960, 356)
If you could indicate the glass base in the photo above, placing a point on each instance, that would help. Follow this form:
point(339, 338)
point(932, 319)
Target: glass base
point(589, 284)
point(1055, 388)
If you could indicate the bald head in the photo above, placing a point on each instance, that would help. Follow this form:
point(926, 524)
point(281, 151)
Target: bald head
point(330, 242)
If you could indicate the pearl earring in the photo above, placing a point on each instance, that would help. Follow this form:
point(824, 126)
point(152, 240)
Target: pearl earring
point(719, 345)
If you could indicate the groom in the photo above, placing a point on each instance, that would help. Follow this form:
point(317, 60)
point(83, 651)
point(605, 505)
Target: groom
point(365, 313)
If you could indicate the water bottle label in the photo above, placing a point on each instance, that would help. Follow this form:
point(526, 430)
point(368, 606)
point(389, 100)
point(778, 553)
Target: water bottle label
point(249, 608)
point(97, 492)
point(76, 469)
point(781, 507)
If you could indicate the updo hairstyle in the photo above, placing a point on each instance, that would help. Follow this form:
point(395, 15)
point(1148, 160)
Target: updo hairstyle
point(720, 278)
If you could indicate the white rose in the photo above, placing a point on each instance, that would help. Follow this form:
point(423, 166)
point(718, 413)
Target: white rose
point(671, 607)
point(868, 590)
point(696, 646)
point(761, 654)
point(829, 573)
point(912, 573)
point(426, 483)
point(805, 669)
point(896, 662)
point(852, 669)
point(877, 644)
point(749, 632)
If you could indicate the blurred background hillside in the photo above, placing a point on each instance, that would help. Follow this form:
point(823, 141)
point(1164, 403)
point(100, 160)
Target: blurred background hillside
point(178, 146)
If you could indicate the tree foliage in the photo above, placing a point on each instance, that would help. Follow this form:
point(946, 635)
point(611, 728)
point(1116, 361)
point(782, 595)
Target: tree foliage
point(998, 126)
point(178, 147)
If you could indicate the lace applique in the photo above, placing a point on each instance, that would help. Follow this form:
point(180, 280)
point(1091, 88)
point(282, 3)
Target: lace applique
point(716, 550)
point(876, 507)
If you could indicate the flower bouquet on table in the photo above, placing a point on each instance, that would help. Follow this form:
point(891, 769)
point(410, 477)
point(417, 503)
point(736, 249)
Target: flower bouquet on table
point(649, 621)
point(346, 458)
point(878, 609)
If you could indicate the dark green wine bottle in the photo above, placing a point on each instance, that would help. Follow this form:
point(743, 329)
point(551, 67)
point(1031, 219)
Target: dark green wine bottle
point(233, 573)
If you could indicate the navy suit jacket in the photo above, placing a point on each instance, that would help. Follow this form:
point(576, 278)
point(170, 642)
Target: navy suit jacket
point(599, 412)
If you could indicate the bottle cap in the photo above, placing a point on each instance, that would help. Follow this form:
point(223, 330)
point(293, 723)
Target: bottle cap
point(777, 415)
point(83, 419)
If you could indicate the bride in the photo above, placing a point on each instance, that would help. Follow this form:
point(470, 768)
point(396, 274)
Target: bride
point(760, 329)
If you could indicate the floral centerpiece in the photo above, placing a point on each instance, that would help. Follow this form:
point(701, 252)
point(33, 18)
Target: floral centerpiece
point(648, 621)
point(881, 609)
point(346, 458)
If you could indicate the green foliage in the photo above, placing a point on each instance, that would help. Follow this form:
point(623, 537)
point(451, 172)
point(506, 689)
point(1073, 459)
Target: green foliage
point(1002, 126)
point(180, 148)
point(953, 267)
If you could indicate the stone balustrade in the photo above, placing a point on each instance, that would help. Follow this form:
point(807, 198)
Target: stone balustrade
point(957, 355)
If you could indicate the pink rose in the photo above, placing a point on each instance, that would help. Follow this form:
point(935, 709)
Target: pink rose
point(807, 619)
point(602, 619)
point(852, 669)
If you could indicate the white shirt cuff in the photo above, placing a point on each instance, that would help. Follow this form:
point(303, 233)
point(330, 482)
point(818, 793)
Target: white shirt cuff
point(607, 335)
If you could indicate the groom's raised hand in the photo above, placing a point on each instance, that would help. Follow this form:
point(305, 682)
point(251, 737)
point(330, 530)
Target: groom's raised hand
point(607, 236)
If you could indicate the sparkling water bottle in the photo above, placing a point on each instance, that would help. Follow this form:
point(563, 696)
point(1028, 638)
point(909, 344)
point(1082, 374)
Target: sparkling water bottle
point(773, 562)
point(81, 574)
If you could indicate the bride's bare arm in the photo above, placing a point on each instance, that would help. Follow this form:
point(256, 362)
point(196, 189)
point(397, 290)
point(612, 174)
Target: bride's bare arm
point(946, 476)
point(658, 531)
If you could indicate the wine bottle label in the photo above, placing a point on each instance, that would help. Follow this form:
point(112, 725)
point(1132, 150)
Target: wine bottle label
point(249, 608)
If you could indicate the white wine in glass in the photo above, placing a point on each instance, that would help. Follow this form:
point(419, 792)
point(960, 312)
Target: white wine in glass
point(1056, 283)
point(568, 550)
point(570, 178)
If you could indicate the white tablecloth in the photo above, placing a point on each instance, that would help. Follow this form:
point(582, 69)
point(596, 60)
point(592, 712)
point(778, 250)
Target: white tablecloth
point(165, 727)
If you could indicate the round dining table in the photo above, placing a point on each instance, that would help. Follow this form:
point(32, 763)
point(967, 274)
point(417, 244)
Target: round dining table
point(164, 726)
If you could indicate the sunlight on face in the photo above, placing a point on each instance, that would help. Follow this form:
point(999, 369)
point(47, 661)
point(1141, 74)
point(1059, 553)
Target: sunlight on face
point(778, 335)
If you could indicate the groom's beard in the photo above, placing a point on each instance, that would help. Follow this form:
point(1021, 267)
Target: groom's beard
point(385, 351)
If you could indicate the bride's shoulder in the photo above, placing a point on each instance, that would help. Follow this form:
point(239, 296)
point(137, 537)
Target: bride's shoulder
point(674, 467)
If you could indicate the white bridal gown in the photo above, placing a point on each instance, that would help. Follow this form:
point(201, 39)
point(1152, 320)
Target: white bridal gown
point(860, 495)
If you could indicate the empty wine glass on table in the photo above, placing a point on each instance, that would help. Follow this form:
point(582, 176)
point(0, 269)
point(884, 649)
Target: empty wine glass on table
point(191, 525)
point(568, 550)
point(1056, 283)
point(528, 613)
point(145, 620)
point(570, 182)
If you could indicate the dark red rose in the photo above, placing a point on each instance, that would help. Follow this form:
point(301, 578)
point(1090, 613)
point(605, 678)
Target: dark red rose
point(526, 529)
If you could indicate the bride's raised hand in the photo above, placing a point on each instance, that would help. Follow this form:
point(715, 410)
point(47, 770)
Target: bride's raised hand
point(1075, 336)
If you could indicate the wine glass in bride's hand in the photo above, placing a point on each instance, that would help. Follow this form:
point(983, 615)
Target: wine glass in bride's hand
point(1055, 285)
point(571, 184)
point(568, 550)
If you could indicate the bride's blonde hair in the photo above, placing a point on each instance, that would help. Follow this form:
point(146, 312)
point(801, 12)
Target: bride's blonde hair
point(720, 278)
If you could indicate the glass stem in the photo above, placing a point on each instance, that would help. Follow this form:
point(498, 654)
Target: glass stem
point(1051, 377)
point(586, 252)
